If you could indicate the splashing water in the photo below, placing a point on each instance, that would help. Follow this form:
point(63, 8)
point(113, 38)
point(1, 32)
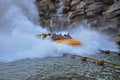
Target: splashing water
point(60, 9)
point(91, 40)
point(18, 29)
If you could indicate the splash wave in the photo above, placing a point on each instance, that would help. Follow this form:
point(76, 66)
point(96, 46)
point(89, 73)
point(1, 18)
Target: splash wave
point(19, 25)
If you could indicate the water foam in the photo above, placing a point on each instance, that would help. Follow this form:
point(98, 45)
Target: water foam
point(19, 27)
point(92, 40)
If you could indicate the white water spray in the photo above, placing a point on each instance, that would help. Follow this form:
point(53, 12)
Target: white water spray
point(60, 9)
point(92, 41)
point(19, 27)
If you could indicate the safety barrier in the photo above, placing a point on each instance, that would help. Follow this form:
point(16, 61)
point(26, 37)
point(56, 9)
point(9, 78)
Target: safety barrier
point(96, 61)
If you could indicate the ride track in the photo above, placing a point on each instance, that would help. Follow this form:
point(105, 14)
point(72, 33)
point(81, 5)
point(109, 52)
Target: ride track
point(94, 60)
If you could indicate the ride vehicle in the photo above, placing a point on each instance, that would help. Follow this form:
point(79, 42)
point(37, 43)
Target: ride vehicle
point(60, 39)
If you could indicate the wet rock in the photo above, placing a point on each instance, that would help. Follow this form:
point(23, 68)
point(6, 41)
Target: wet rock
point(110, 30)
point(94, 9)
point(81, 5)
point(94, 22)
point(109, 2)
point(77, 12)
point(66, 6)
point(111, 27)
point(113, 10)
point(117, 40)
point(90, 1)
point(74, 2)
point(65, 10)
point(103, 15)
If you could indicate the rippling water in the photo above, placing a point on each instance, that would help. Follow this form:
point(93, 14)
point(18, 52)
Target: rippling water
point(60, 68)
point(21, 49)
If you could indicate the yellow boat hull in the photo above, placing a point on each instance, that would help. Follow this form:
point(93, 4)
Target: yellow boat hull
point(69, 41)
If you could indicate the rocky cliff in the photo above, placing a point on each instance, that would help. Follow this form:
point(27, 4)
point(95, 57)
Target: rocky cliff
point(103, 15)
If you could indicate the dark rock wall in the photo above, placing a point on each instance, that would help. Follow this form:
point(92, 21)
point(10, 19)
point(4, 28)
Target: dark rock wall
point(103, 15)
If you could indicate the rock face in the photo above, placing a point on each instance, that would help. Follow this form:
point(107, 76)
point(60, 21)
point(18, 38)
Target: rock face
point(104, 15)
point(113, 10)
point(51, 14)
point(117, 39)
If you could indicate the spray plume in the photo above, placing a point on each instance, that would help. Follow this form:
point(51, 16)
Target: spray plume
point(18, 29)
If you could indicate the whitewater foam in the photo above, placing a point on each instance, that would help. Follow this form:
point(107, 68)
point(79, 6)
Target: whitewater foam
point(91, 40)
point(19, 27)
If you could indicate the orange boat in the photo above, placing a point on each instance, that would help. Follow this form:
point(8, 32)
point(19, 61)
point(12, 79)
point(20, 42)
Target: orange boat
point(65, 40)
point(68, 41)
